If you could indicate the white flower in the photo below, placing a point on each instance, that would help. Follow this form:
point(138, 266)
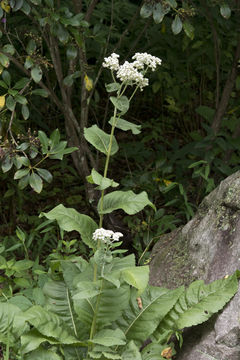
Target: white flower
point(106, 235)
point(111, 62)
point(142, 59)
point(128, 73)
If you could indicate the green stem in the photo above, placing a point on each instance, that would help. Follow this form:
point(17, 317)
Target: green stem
point(45, 157)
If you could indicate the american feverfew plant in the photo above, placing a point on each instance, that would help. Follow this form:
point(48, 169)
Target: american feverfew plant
point(104, 308)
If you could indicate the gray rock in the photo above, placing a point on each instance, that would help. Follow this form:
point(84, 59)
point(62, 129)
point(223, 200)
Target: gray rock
point(208, 248)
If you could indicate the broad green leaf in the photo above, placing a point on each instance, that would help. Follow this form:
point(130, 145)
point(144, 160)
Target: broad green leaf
point(20, 99)
point(4, 60)
point(42, 354)
point(137, 277)
point(139, 323)
point(126, 200)
point(225, 11)
point(188, 29)
point(121, 103)
point(3, 84)
point(26, 8)
point(6, 77)
point(71, 52)
point(111, 303)
point(55, 137)
point(70, 220)
point(31, 47)
point(21, 301)
point(146, 10)
point(11, 323)
point(108, 337)
point(21, 83)
point(21, 173)
point(86, 289)
point(100, 350)
point(153, 351)
point(131, 352)
point(126, 125)
point(177, 25)
point(45, 174)
point(201, 301)
point(197, 304)
point(10, 103)
point(28, 63)
point(49, 325)
point(68, 80)
point(98, 179)
point(61, 33)
point(23, 182)
point(25, 112)
point(36, 74)
point(59, 302)
point(158, 13)
point(18, 5)
point(100, 140)
point(40, 92)
point(44, 141)
point(9, 49)
point(35, 182)
point(112, 87)
point(19, 161)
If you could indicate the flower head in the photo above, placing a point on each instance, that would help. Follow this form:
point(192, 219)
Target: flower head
point(106, 236)
point(133, 73)
point(111, 62)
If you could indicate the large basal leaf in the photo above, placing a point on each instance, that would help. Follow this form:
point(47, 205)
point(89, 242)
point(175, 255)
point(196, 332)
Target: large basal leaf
point(33, 339)
point(131, 352)
point(69, 220)
point(202, 301)
point(43, 354)
point(126, 200)
point(50, 325)
point(11, 323)
point(198, 303)
point(100, 140)
point(111, 303)
point(137, 277)
point(139, 321)
point(109, 337)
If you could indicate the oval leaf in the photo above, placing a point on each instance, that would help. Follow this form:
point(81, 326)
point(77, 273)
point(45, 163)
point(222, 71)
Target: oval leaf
point(100, 140)
point(177, 25)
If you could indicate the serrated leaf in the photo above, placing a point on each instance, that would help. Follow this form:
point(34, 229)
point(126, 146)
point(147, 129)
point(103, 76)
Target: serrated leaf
point(177, 25)
point(108, 337)
point(36, 74)
point(70, 220)
point(146, 10)
point(100, 140)
point(225, 11)
point(126, 125)
point(204, 300)
point(35, 182)
point(128, 201)
point(139, 323)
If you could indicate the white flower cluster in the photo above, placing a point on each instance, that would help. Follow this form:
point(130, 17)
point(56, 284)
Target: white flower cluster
point(142, 59)
point(111, 62)
point(106, 235)
point(133, 73)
